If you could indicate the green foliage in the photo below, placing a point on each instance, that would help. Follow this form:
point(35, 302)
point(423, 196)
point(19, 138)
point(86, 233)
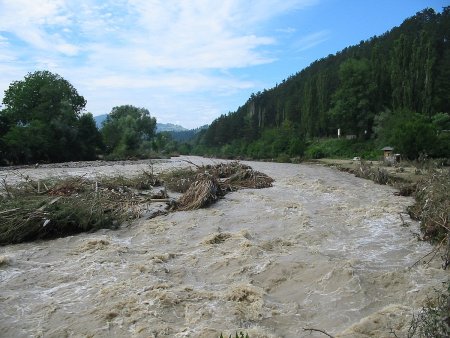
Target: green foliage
point(353, 101)
point(128, 130)
point(342, 148)
point(280, 143)
point(42, 119)
point(434, 318)
point(409, 133)
point(165, 144)
point(403, 70)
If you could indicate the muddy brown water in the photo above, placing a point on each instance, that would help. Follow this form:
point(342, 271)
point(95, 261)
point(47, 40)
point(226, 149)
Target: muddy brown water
point(320, 249)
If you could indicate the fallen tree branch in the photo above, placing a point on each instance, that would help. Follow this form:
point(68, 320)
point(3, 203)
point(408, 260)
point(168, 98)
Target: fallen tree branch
point(317, 330)
point(6, 188)
point(434, 252)
point(192, 163)
point(8, 211)
point(160, 199)
point(53, 201)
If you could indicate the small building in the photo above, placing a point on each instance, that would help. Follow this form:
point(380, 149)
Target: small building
point(387, 151)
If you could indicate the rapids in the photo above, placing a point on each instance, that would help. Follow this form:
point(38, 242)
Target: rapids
point(320, 249)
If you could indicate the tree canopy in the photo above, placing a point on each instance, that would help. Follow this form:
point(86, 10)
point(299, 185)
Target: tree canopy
point(128, 130)
point(42, 120)
point(404, 71)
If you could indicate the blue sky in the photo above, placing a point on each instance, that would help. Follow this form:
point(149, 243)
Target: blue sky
point(186, 61)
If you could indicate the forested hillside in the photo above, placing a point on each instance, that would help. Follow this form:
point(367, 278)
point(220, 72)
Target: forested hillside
point(387, 89)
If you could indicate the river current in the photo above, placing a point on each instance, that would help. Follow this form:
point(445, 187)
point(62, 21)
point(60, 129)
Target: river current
point(320, 249)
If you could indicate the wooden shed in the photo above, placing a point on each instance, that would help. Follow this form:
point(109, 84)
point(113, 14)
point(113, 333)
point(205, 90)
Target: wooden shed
point(387, 151)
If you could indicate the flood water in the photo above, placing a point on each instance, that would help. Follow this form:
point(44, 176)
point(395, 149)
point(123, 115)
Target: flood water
point(320, 249)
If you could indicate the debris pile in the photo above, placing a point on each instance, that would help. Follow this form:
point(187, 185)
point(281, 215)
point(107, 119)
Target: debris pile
point(213, 182)
point(202, 192)
point(432, 208)
point(61, 207)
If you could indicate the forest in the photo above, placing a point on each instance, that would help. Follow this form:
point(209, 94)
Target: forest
point(391, 90)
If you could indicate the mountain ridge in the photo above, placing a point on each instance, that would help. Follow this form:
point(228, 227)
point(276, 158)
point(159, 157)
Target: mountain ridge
point(160, 127)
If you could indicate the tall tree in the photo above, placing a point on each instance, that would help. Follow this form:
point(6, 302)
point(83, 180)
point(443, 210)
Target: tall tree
point(353, 108)
point(126, 130)
point(40, 119)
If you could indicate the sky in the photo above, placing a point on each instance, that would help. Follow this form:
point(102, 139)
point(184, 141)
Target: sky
point(186, 61)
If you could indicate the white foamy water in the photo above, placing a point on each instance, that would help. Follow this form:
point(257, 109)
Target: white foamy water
point(320, 249)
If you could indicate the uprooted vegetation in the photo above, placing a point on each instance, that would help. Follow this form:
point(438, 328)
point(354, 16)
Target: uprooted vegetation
point(60, 207)
point(433, 320)
point(432, 209)
point(54, 208)
point(213, 182)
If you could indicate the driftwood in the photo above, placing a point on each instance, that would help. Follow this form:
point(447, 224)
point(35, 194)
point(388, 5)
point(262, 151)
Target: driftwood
point(213, 182)
point(203, 192)
point(317, 330)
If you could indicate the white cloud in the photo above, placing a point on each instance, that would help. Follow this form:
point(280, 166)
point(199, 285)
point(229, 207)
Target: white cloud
point(113, 51)
point(311, 40)
point(177, 82)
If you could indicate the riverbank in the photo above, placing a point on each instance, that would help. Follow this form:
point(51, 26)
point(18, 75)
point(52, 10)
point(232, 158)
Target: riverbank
point(403, 172)
point(428, 184)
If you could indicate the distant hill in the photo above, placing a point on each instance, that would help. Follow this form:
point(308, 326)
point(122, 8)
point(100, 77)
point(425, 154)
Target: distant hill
point(160, 127)
point(99, 120)
point(187, 135)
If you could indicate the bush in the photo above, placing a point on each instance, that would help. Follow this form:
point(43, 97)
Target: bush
point(341, 148)
point(433, 320)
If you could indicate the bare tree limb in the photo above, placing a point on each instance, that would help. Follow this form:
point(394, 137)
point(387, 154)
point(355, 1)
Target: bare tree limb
point(434, 252)
point(317, 330)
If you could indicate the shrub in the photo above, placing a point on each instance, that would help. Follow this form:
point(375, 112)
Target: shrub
point(433, 320)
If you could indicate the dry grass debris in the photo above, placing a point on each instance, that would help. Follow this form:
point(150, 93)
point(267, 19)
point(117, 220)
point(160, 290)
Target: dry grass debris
point(52, 208)
point(214, 181)
point(378, 175)
point(432, 209)
point(202, 192)
point(178, 180)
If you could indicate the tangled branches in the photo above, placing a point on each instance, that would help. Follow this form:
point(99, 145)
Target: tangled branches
point(53, 208)
point(212, 182)
point(60, 207)
point(432, 208)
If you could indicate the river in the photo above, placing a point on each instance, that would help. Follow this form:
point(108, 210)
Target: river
point(320, 249)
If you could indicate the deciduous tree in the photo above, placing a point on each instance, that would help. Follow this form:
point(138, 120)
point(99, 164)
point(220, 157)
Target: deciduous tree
point(127, 129)
point(41, 120)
